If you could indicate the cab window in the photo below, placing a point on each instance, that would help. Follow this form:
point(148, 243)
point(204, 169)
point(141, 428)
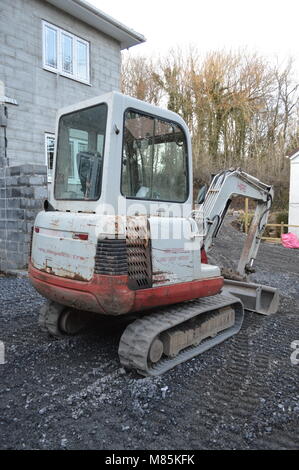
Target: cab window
point(154, 161)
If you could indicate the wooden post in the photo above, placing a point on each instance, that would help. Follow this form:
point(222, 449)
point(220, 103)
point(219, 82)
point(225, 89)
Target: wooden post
point(246, 215)
point(281, 228)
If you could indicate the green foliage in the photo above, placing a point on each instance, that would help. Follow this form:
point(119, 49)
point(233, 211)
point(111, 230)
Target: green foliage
point(282, 216)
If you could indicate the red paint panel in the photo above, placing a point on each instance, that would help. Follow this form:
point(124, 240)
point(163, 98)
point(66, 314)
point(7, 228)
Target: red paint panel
point(70, 297)
point(80, 236)
point(110, 294)
point(167, 295)
point(103, 294)
point(204, 257)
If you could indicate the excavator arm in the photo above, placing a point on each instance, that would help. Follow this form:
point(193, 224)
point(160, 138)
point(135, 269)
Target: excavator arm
point(224, 187)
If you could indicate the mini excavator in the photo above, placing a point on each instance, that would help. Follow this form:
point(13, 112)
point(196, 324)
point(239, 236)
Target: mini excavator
point(121, 235)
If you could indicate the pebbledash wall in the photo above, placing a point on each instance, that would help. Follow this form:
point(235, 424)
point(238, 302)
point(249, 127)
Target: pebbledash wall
point(30, 96)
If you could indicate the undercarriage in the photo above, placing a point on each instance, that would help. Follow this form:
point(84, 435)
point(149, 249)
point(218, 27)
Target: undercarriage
point(160, 339)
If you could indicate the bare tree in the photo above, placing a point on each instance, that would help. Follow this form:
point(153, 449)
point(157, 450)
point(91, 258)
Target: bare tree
point(241, 110)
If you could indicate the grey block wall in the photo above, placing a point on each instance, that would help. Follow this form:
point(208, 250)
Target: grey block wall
point(2, 186)
point(2, 142)
point(22, 193)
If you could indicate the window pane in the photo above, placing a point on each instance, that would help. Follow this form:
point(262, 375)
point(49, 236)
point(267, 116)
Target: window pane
point(154, 159)
point(79, 143)
point(50, 151)
point(51, 47)
point(82, 60)
point(80, 154)
point(100, 143)
point(137, 157)
point(72, 158)
point(170, 162)
point(67, 54)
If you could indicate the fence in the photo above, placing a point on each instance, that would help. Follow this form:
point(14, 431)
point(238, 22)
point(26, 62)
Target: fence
point(282, 227)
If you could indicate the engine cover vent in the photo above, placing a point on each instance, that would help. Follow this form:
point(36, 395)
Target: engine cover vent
point(111, 257)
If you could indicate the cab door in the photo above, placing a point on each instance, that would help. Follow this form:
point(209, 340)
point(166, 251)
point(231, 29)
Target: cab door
point(156, 181)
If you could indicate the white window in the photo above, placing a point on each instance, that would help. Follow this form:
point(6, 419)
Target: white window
point(65, 53)
point(50, 39)
point(82, 55)
point(49, 149)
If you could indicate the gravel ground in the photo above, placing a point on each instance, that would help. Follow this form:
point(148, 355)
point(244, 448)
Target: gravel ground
point(73, 394)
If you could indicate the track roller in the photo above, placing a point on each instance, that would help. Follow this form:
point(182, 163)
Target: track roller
point(59, 321)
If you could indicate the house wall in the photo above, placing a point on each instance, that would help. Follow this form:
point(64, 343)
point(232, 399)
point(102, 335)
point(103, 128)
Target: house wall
point(41, 93)
point(294, 196)
point(2, 138)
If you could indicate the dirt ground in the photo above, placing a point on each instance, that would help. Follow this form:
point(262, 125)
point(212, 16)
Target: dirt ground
point(73, 394)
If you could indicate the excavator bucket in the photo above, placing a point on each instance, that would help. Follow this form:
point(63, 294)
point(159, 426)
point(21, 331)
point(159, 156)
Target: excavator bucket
point(255, 297)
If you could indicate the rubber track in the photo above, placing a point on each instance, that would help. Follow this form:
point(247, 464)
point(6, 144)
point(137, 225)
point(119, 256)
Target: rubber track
point(49, 318)
point(138, 336)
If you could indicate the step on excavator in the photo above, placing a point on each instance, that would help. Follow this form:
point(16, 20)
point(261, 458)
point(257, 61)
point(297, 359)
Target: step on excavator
point(122, 236)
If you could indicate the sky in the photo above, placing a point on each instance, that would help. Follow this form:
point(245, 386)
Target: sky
point(268, 27)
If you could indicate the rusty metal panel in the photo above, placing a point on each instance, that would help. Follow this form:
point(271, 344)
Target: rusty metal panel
point(138, 253)
point(111, 257)
point(172, 253)
point(55, 249)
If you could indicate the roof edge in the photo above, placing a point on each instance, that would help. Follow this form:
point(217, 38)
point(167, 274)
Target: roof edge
point(96, 18)
point(294, 153)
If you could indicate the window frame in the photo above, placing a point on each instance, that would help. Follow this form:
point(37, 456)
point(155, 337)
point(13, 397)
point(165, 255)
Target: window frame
point(59, 53)
point(155, 116)
point(62, 51)
point(47, 66)
point(49, 135)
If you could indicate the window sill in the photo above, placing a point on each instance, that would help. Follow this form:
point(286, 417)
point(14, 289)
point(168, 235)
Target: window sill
point(65, 75)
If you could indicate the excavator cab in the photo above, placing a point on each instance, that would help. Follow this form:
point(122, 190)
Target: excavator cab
point(122, 175)
point(119, 234)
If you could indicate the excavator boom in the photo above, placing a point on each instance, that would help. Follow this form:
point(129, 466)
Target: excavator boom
point(224, 187)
